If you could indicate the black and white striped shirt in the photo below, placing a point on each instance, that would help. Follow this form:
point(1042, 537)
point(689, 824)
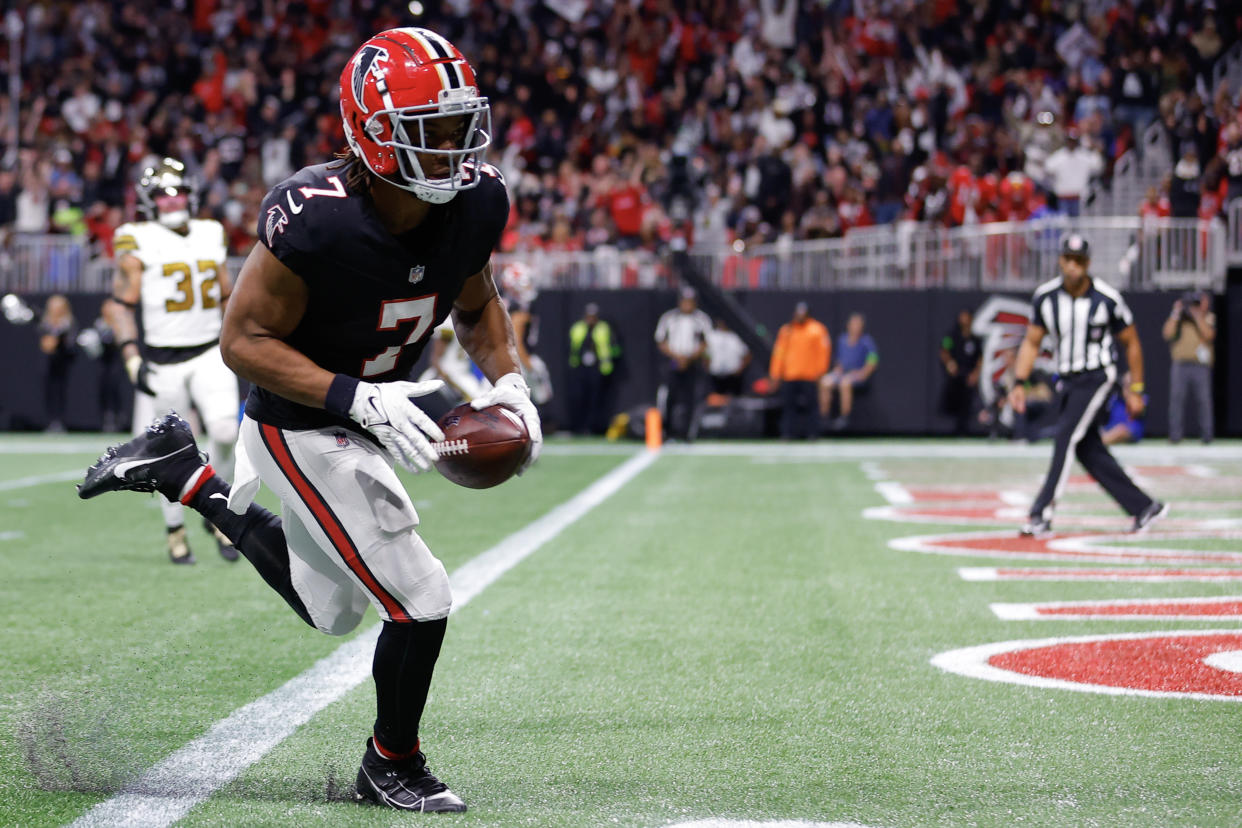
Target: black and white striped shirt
point(684, 332)
point(1083, 328)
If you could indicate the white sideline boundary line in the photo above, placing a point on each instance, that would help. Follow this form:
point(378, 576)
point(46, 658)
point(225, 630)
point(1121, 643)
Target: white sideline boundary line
point(217, 757)
point(1035, 611)
point(40, 479)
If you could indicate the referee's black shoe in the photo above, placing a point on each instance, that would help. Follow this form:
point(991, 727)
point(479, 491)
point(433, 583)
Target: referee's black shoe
point(1144, 519)
point(1036, 527)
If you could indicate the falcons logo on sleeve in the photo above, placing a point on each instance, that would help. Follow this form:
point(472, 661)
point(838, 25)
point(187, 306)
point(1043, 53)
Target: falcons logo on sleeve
point(276, 222)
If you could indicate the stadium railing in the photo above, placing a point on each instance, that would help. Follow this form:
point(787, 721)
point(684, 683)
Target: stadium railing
point(1132, 253)
point(1233, 233)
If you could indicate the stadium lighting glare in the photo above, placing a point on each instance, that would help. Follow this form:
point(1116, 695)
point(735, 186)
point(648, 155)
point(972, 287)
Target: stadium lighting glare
point(416, 8)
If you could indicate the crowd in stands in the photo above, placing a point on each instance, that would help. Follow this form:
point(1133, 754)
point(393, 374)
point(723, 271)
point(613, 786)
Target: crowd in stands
point(628, 123)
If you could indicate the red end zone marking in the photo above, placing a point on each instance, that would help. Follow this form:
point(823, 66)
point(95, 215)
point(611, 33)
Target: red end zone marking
point(1064, 547)
point(1229, 608)
point(1200, 664)
point(992, 573)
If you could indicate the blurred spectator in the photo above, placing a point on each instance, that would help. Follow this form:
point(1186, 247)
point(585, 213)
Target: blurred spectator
point(799, 361)
point(856, 361)
point(114, 385)
point(57, 337)
point(1190, 331)
point(681, 336)
point(727, 359)
point(1231, 138)
point(8, 198)
point(834, 110)
point(1040, 139)
point(1184, 188)
point(1069, 171)
point(1154, 204)
point(592, 350)
point(1134, 91)
point(961, 352)
point(33, 207)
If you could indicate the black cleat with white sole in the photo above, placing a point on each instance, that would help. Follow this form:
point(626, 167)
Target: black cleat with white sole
point(1036, 528)
point(161, 459)
point(404, 784)
point(1153, 513)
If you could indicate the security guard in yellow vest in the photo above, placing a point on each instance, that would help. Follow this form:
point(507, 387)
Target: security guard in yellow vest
point(592, 354)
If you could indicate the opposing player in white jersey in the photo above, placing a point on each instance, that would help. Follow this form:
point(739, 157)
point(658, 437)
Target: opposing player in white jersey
point(174, 267)
point(451, 363)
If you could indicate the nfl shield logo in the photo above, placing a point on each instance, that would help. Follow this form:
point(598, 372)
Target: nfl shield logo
point(416, 274)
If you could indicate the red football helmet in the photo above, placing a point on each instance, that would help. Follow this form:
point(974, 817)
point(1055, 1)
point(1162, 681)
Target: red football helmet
point(393, 91)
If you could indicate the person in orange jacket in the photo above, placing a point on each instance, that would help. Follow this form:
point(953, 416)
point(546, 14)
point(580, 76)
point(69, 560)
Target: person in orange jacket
point(799, 360)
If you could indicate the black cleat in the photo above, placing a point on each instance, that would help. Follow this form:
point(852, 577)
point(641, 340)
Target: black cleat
point(227, 550)
point(1144, 519)
point(179, 546)
point(160, 459)
point(1036, 528)
point(404, 784)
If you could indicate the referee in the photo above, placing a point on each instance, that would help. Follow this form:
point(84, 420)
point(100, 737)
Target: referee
point(1083, 315)
point(681, 335)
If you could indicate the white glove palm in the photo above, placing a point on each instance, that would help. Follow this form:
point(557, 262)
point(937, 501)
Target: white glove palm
point(512, 392)
point(404, 429)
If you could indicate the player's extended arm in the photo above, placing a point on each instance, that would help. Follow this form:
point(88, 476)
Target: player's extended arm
point(267, 303)
point(1024, 364)
point(1133, 392)
point(484, 328)
point(119, 314)
point(486, 332)
point(265, 306)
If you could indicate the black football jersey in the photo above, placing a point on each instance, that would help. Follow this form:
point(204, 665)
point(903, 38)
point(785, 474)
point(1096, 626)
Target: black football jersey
point(373, 298)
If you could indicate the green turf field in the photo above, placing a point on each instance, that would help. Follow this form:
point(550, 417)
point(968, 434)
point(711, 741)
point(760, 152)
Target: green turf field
point(725, 637)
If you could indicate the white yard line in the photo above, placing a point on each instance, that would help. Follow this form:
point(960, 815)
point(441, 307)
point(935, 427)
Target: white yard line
point(233, 744)
point(40, 479)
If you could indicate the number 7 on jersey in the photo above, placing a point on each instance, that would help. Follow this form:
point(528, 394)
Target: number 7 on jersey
point(393, 314)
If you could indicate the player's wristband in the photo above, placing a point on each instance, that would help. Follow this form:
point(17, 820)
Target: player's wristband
point(1137, 387)
point(126, 342)
point(341, 395)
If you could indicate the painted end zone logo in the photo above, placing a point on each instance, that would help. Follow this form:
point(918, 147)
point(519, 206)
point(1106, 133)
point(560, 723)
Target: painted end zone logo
point(1201, 664)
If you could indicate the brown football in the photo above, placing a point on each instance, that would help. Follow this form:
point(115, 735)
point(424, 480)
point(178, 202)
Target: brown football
point(481, 448)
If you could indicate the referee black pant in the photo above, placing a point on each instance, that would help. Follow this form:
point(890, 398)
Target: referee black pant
point(1082, 397)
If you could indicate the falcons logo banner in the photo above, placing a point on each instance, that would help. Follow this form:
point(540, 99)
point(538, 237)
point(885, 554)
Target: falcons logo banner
point(276, 221)
point(1001, 323)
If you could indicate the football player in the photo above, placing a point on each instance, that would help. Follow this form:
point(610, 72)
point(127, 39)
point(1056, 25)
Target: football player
point(517, 283)
point(174, 266)
point(451, 364)
point(359, 259)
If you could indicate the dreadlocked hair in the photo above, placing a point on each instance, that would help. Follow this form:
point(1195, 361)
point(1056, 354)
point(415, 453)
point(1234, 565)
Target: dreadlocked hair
point(357, 177)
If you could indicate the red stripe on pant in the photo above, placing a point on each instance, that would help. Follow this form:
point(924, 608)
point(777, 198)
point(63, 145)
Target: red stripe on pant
point(275, 443)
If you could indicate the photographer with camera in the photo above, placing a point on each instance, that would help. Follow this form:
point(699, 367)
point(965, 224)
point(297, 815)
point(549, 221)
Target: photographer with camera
point(1190, 331)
